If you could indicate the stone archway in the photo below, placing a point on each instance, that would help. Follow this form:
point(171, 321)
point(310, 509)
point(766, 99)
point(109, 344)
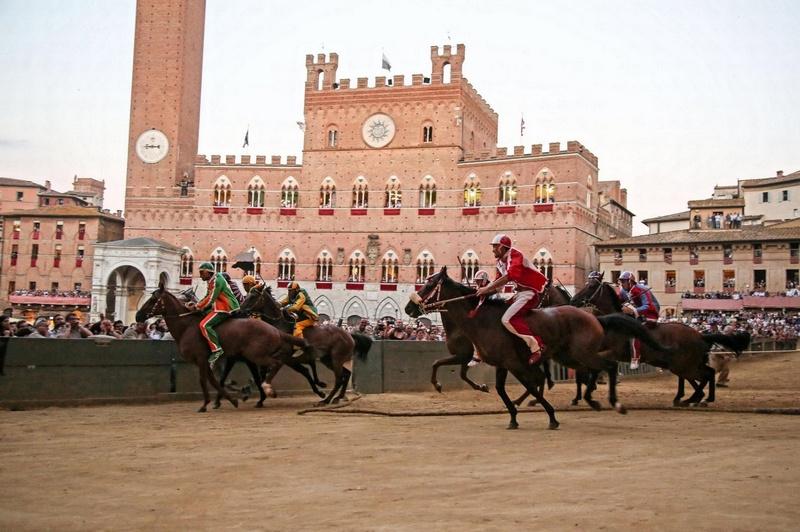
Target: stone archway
point(126, 289)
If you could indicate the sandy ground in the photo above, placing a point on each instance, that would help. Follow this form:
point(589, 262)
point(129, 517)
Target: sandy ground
point(166, 467)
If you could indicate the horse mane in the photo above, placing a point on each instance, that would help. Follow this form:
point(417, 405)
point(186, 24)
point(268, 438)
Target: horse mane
point(563, 291)
point(614, 297)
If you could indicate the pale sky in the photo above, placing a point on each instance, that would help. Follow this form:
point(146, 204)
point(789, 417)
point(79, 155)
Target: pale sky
point(673, 97)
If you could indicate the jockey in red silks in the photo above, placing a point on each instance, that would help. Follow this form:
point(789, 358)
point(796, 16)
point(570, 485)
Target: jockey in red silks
point(512, 266)
point(638, 301)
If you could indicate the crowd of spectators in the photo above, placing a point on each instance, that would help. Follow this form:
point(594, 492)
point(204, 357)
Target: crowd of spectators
point(776, 325)
point(52, 293)
point(70, 326)
point(392, 329)
point(759, 290)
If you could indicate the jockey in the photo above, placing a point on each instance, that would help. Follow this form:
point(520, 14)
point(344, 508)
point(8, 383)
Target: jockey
point(234, 288)
point(638, 302)
point(594, 276)
point(481, 279)
point(248, 282)
point(512, 266)
point(298, 301)
point(218, 303)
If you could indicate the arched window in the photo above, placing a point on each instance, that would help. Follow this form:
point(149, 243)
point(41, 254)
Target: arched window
point(219, 259)
point(393, 196)
point(470, 263)
point(427, 193)
point(327, 194)
point(324, 266)
point(187, 263)
point(222, 192)
point(357, 267)
point(427, 134)
point(425, 266)
point(543, 260)
point(472, 191)
point(360, 193)
point(289, 193)
point(390, 267)
point(544, 189)
point(286, 264)
point(255, 193)
point(333, 137)
point(507, 190)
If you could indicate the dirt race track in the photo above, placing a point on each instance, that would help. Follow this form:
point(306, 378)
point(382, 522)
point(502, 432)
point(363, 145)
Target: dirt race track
point(165, 467)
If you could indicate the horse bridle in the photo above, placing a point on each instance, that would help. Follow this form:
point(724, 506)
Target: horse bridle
point(261, 296)
point(160, 310)
point(424, 304)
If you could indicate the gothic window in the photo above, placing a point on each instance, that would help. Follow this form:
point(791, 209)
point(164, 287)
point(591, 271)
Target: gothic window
point(219, 259)
point(286, 265)
point(187, 263)
point(333, 138)
point(81, 230)
point(327, 194)
point(507, 193)
point(427, 134)
point(543, 188)
point(289, 193)
point(324, 266)
point(469, 265)
point(360, 193)
point(57, 256)
point(59, 230)
point(255, 193)
point(390, 267)
point(427, 193)
point(357, 267)
point(472, 191)
point(426, 266)
point(17, 229)
point(543, 260)
point(222, 192)
point(393, 195)
point(79, 256)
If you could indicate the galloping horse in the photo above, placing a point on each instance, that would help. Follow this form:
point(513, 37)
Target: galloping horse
point(687, 350)
point(334, 345)
point(571, 335)
point(255, 340)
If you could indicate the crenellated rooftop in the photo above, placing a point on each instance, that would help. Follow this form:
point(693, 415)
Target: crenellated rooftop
point(554, 148)
point(246, 160)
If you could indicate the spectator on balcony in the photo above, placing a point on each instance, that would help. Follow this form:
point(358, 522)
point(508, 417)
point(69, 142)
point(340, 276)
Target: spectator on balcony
point(41, 329)
point(74, 329)
point(137, 331)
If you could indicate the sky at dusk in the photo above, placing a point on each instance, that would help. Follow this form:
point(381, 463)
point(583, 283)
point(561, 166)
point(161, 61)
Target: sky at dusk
point(673, 97)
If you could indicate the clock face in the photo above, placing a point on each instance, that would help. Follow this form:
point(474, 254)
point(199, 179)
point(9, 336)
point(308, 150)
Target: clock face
point(152, 146)
point(378, 130)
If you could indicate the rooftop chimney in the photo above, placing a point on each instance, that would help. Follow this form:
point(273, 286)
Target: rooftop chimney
point(780, 173)
point(47, 184)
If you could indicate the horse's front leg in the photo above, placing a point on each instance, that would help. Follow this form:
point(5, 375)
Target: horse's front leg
point(266, 384)
point(580, 378)
point(255, 372)
point(202, 371)
point(591, 386)
point(712, 390)
point(676, 401)
point(500, 376)
point(343, 388)
point(697, 395)
point(533, 379)
point(226, 369)
point(313, 365)
point(611, 369)
point(302, 370)
point(338, 374)
point(220, 390)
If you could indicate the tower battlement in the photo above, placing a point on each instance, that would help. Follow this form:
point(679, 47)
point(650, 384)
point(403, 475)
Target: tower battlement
point(246, 160)
point(554, 148)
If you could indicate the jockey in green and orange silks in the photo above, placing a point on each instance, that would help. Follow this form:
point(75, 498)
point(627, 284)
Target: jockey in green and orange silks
point(218, 303)
point(299, 302)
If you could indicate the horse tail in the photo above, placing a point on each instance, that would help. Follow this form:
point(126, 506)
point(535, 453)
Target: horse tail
point(363, 345)
point(628, 326)
point(736, 342)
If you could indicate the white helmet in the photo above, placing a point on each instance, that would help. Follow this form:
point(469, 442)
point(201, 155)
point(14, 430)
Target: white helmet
point(480, 278)
point(625, 276)
point(502, 239)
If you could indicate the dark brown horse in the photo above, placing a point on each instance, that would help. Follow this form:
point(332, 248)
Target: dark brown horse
point(570, 334)
point(255, 340)
point(333, 345)
point(687, 350)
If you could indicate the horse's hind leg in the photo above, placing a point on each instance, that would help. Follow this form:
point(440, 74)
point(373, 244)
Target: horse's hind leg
point(697, 395)
point(465, 378)
point(226, 369)
point(533, 380)
point(447, 361)
point(220, 390)
point(676, 401)
point(500, 385)
point(319, 383)
point(712, 391)
point(343, 388)
point(591, 386)
point(612, 389)
point(203, 373)
point(255, 372)
point(337, 383)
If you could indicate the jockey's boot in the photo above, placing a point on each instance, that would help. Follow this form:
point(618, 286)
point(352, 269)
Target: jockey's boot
point(215, 355)
point(299, 351)
point(635, 354)
point(536, 351)
point(474, 362)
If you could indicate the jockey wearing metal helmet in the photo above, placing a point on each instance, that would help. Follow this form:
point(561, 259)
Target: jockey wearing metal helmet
point(639, 301)
point(512, 266)
point(248, 281)
point(481, 278)
point(299, 302)
point(218, 304)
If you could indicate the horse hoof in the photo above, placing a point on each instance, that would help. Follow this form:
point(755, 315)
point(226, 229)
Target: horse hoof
point(216, 405)
point(533, 402)
point(512, 426)
point(684, 404)
point(235, 403)
point(620, 408)
point(701, 404)
point(202, 409)
point(553, 425)
point(335, 401)
point(438, 387)
point(260, 404)
point(676, 403)
point(321, 403)
point(483, 388)
point(594, 405)
point(321, 384)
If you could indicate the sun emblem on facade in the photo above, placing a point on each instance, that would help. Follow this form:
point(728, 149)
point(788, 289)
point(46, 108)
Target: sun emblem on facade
point(378, 130)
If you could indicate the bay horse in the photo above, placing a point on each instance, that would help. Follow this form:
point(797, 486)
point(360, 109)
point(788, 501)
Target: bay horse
point(255, 340)
point(570, 334)
point(687, 350)
point(332, 344)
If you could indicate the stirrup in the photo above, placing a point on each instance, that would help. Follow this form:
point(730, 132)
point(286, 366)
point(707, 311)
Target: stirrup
point(535, 357)
point(474, 362)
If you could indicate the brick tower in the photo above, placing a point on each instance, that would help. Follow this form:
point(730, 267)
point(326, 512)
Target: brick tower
point(165, 100)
